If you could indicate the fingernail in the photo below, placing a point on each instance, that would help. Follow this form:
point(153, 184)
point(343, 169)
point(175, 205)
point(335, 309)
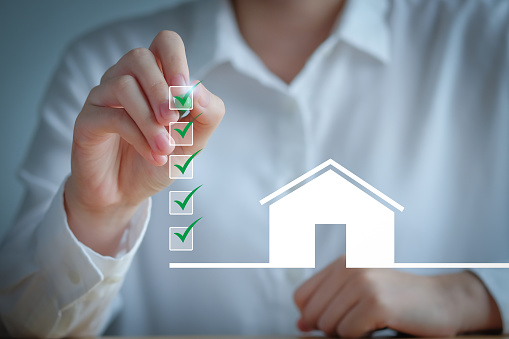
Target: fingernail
point(159, 159)
point(178, 80)
point(165, 111)
point(301, 325)
point(167, 114)
point(162, 141)
point(174, 116)
point(204, 96)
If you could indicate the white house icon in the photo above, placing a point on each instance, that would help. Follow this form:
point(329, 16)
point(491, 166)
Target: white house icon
point(336, 196)
point(331, 198)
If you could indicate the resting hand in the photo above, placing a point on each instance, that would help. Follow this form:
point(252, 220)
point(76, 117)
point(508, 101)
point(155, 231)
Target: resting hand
point(355, 302)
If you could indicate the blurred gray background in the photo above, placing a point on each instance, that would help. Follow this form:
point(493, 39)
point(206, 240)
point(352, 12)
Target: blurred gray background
point(33, 37)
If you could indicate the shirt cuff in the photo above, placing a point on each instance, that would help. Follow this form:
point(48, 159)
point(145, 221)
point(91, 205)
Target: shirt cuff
point(496, 281)
point(71, 268)
point(131, 240)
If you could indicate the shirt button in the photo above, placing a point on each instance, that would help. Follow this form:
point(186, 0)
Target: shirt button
point(74, 277)
point(295, 275)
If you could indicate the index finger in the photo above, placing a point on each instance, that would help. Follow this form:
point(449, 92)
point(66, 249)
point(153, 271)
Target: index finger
point(169, 50)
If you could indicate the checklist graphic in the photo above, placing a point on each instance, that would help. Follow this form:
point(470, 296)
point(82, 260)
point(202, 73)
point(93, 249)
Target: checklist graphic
point(181, 167)
point(182, 132)
point(181, 238)
point(181, 202)
point(176, 243)
point(182, 97)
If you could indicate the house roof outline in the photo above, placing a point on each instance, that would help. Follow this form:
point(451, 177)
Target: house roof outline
point(340, 168)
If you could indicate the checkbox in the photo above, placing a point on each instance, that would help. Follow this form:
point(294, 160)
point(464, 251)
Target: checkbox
point(181, 97)
point(181, 133)
point(181, 166)
point(181, 197)
point(176, 244)
point(175, 173)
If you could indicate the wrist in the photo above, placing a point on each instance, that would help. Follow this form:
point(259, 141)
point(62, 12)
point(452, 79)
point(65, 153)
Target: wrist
point(473, 305)
point(98, 227)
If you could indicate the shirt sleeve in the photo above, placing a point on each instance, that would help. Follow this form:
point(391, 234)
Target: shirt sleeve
point(496, 281)
point(52, 285)
point(69, 289)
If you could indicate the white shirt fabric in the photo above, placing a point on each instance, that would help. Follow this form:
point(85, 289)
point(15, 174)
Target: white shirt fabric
point(412, 96)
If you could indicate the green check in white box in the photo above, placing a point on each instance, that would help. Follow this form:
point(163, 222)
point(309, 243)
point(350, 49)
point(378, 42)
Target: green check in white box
point(176, 244)
point(182, 161)
point(180, 204)
point(181, 133)
point(181, 166)
point(181, 97)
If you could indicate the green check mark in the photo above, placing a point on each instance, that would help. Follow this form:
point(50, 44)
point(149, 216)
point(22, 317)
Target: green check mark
point(182, 169)
point(182, 237)
point(186, 200)
point(183, 132)
point(183, 99)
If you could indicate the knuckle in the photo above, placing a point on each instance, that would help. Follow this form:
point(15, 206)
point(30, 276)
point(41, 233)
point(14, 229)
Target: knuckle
point(138, 53)
point(93, 92)
point(78, 135)
point(123, 83)
point(365, 280)
point(298, 297)
point(342, 330)
point(380, 306)
point(325, 326)
point(310, 316)
point(345, 330)
point(106, 76)
point(83, 130)
point(159, 85)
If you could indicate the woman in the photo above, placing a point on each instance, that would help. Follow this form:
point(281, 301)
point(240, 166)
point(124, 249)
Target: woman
point(411, 96)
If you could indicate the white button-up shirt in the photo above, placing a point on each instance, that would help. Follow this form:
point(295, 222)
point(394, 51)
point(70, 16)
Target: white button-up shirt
point(412, 96)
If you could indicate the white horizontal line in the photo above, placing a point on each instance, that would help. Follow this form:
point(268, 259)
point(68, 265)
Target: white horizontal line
point(449, 265)
point(395, 265)
point(223, 265)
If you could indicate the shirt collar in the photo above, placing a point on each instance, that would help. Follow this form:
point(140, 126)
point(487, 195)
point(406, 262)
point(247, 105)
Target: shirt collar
point(216, 39)
point(364, 25)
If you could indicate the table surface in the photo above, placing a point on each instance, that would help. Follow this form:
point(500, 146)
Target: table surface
point(276, 337)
